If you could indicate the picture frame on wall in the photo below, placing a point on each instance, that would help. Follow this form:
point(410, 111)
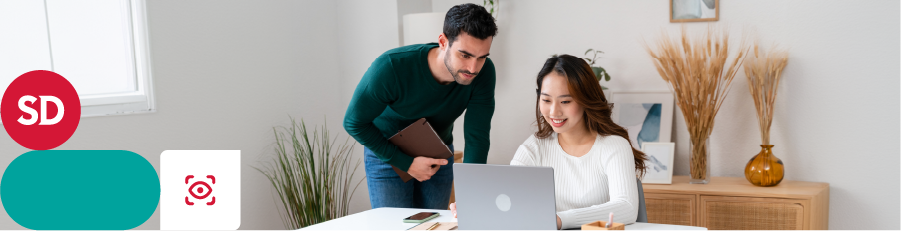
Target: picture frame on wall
point(694, 10)
point(660, 162)
point(646, 116)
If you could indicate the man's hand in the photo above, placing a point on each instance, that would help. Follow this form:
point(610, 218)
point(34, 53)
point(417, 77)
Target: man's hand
point(422, 169)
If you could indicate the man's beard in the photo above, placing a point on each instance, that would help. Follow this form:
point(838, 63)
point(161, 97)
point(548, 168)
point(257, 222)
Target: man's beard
point(457, 73)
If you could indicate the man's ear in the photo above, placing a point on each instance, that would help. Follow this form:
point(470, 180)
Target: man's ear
point(442, 41)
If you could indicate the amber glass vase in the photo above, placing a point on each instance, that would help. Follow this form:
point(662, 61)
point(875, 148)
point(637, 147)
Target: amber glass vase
point(765, 169)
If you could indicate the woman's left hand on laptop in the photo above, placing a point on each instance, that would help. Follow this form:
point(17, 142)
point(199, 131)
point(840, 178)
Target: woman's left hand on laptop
point(453, 209)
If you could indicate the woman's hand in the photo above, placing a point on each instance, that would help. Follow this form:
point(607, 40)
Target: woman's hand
point(453, 209)
point(559, 223)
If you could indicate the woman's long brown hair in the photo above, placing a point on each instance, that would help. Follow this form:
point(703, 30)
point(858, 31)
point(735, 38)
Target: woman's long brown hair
point(586, 91)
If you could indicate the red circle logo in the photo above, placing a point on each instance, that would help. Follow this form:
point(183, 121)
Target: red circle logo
point(40, 110)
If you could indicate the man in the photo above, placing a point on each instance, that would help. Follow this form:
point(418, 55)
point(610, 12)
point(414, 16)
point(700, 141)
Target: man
point(433, 81)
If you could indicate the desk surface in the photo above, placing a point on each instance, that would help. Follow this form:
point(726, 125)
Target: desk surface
point(392, 219)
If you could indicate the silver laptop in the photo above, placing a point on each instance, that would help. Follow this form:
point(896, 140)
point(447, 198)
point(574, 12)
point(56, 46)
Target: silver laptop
point(504, 197)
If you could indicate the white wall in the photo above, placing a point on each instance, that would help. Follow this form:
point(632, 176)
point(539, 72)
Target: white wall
point(225, 73)
point(366, 30)
point(837, 115)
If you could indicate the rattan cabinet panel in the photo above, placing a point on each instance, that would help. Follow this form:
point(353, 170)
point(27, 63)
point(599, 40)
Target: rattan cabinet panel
point(719, 212)
point(674, 209)
point(733, 203)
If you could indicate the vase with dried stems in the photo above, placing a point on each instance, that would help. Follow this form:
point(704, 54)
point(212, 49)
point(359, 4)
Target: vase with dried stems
point(763, 72)
point(694, 68)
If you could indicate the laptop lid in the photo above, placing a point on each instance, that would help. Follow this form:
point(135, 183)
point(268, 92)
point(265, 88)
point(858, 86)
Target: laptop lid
point(492, 197)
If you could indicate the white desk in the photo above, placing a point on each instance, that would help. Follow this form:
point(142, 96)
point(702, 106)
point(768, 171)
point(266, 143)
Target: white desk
point(392, 219)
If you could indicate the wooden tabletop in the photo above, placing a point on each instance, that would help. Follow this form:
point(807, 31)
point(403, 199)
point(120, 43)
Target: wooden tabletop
point(739, 186)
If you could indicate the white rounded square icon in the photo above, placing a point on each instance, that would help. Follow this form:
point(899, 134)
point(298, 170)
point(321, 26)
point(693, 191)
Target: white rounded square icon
point(200, 190)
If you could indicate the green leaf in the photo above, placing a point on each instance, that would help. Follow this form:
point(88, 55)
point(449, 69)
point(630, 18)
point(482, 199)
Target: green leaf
point(597, 72)
point(606, 76)
point(587, 60)
point(589, 50)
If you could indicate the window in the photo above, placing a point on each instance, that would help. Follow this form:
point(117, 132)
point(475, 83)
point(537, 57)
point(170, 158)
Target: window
point(100, 46)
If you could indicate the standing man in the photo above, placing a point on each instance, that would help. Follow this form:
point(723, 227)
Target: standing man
point(433, 81)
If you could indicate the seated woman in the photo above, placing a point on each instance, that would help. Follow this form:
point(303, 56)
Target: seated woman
point(594, 163)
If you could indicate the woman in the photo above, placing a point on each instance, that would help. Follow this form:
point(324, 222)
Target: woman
point(594, 163)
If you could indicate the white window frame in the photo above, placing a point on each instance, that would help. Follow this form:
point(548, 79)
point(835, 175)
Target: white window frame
point(141, 100)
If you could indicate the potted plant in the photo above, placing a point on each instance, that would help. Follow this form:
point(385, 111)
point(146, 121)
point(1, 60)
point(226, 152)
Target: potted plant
point(312, 177)
point(599, 72)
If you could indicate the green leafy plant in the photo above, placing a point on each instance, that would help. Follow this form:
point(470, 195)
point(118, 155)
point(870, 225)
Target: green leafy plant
point(599, 72)
point(493, 6)
point(312, 177)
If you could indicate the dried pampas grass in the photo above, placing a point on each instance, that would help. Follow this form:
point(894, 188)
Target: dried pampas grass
point(763, 72)
point(695, 69)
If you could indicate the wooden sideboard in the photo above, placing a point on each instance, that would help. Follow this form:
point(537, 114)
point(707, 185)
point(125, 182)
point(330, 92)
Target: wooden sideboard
point(733, 203)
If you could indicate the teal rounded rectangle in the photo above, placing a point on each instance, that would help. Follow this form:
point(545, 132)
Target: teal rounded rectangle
point(80, 189)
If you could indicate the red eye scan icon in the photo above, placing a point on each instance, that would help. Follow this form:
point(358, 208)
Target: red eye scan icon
point(200, 190)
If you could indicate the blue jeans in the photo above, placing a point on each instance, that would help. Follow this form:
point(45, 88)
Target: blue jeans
point(386, 189)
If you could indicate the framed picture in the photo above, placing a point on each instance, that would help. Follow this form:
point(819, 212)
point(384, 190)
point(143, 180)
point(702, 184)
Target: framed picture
point(694, 10)
point(647, 116)
point(659, 163)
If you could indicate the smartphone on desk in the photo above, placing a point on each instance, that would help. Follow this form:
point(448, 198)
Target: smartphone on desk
point(420, 217)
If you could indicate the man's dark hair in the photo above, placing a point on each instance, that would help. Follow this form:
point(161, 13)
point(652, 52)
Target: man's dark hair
point(470, 18)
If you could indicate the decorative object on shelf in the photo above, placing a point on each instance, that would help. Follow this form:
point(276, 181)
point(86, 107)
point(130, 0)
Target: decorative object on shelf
point(646, 116)
point(694, 67)
point(694, 10)
point(765, 169)
point(599, 72)
point(763, 72)
point(493, 6)
point(312, 177)
point(660, 162)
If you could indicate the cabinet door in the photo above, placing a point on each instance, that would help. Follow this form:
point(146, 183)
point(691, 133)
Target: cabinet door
point(674, 209)
point(721, 212)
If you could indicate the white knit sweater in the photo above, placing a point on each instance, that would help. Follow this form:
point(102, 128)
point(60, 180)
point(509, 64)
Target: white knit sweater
point(589, 187)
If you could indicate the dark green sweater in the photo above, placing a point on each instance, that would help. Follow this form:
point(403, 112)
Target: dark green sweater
point(398, 89)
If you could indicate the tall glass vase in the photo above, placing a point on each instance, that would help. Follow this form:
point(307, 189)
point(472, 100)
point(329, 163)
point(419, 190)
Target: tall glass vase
point(765, 169)
point(700, 154)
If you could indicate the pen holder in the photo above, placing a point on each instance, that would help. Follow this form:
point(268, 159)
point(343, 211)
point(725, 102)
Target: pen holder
point(599, 225)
